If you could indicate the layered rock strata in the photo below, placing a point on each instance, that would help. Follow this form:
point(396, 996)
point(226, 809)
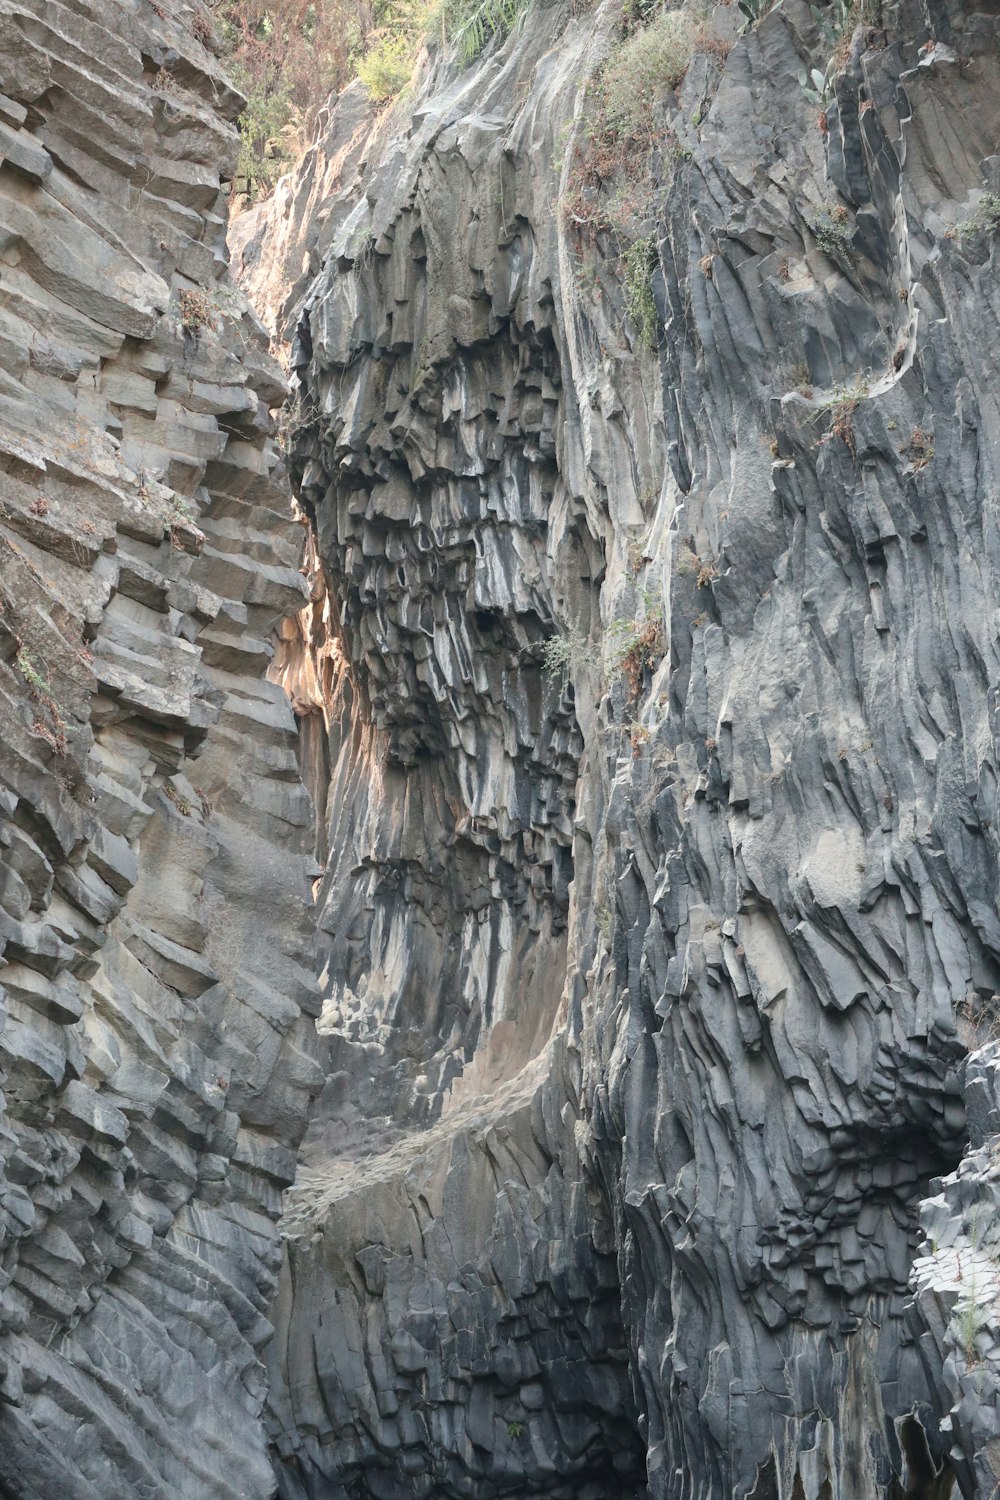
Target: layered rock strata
point(645, 955)
point(157, 1062)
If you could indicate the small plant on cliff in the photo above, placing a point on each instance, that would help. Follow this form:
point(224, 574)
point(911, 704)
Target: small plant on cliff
point(817, 86)
point(754, 11)
point(919, 449)
point(969, 1311)
point(638, 263)
point(690, 565)
point(986, 219)
point(183, 804)
point(563, 654)
point(837, 20)
point(38, 685)
point(637, 648)
point(515, 1429)
point(841, 407)
point(831, 229)
point(605, 919)
point(196, 311)
point(833, 20)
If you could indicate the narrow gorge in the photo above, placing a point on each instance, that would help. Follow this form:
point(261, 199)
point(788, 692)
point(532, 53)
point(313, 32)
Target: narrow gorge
point(499, 776)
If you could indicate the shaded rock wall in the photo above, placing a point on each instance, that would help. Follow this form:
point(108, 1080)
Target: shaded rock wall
point(154, 919)
point(738, 919)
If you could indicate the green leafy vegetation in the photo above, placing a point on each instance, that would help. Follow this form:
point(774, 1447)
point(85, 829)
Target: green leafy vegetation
point(832, 20)
point(287, 57)
point(986, 219)
point(754, 11)
point(473, 24)
point(836, 22)
point(626, 152)
point(638, 263)
point(386, 69)
point(817, 85)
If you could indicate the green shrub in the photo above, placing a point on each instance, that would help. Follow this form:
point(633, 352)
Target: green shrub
point(985, 221)
point(386, 68)
point(266, 116)
point(638, 263)
point(562, 655)
point(651, 61)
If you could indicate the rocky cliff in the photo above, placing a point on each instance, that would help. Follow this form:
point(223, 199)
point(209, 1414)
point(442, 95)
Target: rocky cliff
point(648, 696)
point(156, 1056)
point(611, 952)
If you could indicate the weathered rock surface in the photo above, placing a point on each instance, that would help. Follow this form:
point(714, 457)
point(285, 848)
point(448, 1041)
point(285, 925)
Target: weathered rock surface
point(644, 1008)
point(154, 922)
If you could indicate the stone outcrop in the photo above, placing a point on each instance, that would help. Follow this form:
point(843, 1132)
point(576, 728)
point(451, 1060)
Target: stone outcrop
point(650, 697)
point(156, 1056)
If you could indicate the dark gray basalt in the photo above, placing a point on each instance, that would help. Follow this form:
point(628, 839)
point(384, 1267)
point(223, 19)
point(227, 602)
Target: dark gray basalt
point(717, 1084)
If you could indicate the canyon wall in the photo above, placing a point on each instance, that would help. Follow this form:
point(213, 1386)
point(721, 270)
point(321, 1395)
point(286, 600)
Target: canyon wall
point(157, 1047)
point(648, 698)
point(610, 953)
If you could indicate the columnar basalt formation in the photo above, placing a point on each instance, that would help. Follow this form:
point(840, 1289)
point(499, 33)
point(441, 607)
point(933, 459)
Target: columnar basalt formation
point(728, 865)
point(474, 1339)
point(646, 776)
point(154, 906)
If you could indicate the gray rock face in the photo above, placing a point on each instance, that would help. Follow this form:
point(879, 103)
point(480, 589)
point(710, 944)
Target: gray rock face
point(644, 978)
point(647, 700)
point(154, 923)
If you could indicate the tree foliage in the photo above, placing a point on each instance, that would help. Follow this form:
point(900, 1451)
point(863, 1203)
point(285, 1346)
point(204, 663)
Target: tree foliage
point(287, 56)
